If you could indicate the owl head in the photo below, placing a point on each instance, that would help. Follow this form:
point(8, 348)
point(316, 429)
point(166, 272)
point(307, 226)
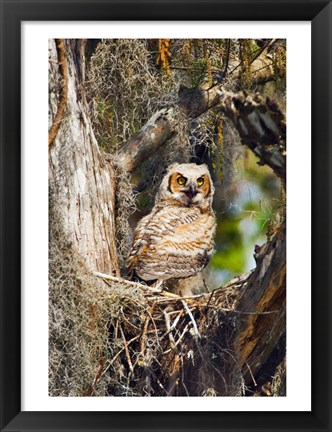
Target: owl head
point(188, 185)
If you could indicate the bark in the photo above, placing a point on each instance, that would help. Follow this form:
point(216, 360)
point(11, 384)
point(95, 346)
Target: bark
point(147, 141)
point(261, 125)
point(260, 122)
point(82, 183)
point(264, 299)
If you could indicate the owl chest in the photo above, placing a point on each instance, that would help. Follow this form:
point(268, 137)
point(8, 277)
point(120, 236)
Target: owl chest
point(178, 227)
point(176, 246)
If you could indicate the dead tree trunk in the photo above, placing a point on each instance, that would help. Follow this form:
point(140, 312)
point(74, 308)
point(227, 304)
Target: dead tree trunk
point(82, 183)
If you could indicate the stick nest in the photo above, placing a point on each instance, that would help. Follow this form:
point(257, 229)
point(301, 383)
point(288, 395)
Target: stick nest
point(166, 345)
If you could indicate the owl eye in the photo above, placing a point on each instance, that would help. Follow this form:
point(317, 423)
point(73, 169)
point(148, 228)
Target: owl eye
point(200, 181)
point(181, 180)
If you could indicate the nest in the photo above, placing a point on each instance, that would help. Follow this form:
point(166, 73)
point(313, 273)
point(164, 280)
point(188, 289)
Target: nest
point(162, 344)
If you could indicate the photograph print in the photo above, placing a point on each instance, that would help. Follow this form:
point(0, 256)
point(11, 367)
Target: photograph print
point(167, 208)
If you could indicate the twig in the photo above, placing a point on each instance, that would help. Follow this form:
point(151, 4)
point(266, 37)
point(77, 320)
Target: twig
point(99, 372)
point(174, 376)
point(237, 280)
point(191, 317)
point(125, 281)
point(258, 53)
point(116, 329)
point(162, 387)
point(179, 340)
point(171, 296)
point(154, 325)
point(210, 298)
point(169, 330)
point(251, 374)
point(122, 349)
point(182, 335)
point(227, 57)
point(173, 326)
point(145, 328)
point(242, 312)
point(182, 376)
point(126, 350)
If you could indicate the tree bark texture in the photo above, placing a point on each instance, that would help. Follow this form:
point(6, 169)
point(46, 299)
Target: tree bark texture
point(154, 133)
point(264, 302)
point(82, 183)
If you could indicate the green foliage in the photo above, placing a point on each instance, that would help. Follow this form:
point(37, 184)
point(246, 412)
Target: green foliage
point(199, 70)
point(249, 209)
point(230, 246)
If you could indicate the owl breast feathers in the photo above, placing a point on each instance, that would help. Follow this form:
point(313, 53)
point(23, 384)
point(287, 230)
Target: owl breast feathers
point(176, 239)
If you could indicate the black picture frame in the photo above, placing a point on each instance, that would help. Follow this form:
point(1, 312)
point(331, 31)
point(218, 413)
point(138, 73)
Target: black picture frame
point(12, 14)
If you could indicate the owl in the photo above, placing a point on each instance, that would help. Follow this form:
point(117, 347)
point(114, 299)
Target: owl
point(176, 239)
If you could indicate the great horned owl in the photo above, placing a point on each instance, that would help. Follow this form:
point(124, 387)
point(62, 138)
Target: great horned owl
point(176, 239)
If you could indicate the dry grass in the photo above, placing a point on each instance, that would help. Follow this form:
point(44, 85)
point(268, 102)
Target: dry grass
point(124, 90)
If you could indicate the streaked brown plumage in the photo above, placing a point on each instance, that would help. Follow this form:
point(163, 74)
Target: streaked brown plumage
point(176, 239)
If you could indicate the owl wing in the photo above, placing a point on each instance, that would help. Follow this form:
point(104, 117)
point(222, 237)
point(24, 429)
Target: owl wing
point(172, 242)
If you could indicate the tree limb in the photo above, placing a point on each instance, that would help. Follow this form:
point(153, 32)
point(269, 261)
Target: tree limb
point(261, 125)
point(147, 141)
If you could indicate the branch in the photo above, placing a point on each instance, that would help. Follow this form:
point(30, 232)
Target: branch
point(195, 101)
point(261, 125)
point(255, 57)
point(148, 140)
point(260, 122)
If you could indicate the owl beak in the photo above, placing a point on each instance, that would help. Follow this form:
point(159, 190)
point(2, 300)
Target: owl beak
point(191, 192)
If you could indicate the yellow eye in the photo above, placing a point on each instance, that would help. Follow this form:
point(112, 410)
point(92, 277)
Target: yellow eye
point(181, 180)
point(200, 182)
